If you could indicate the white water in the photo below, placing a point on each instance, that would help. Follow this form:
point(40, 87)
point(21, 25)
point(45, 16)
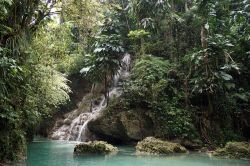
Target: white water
point(75, 125)
point(94, 114)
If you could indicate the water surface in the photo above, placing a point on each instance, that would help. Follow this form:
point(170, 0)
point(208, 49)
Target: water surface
point(54, 153)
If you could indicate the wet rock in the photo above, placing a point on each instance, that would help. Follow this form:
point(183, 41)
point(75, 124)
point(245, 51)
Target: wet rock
point(126, 126)
point(96, 147)
point(239, 150)
point(67, 121)
point(151, 145)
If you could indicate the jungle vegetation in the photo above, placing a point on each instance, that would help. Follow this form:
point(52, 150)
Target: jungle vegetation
point(191, 62)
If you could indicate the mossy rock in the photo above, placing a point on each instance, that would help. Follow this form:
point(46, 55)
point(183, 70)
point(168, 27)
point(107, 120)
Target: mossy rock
point(151, 145)
point(95, 147)
point(238, 150)
point(122, 126)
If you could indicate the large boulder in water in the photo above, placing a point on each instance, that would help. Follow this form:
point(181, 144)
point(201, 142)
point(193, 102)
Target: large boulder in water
point(96, 147)
point(239, 150)
point(117, 124)
point(122, 126)
point(151, 145)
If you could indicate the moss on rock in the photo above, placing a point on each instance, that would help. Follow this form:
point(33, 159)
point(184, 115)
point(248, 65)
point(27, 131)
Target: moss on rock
point(152, 145)
point(116, 123)
point(239, 150)
point(97, 147)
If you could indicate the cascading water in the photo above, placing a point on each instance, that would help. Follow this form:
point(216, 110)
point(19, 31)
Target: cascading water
point(82, 132)
point(75, 125)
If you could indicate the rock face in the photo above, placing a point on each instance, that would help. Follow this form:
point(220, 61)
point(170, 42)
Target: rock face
point(123, 126)
point(96, 147)
point(151, 145)
point(239, 150)
point(116, 124)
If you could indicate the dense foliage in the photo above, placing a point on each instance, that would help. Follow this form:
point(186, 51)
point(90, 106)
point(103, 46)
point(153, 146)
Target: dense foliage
point(36, 54)
point(207, 45)
point(154, 85)
point(190, 65)
point(104, 62)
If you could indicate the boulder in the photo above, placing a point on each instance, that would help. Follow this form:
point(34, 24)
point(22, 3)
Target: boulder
point(239, 150)
point(151, 145)
point(123, 126)
point(117, 124)
point(96, 147)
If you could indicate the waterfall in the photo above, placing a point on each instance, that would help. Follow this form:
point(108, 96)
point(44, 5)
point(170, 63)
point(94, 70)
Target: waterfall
point(96, 111)
point(75, 125)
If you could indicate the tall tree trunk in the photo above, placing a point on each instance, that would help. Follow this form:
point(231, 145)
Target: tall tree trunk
point(92, 97)
point(206, 116)
point(106, 89)
point(204, 46)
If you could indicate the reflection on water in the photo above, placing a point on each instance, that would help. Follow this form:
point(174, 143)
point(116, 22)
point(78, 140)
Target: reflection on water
point(54, 153)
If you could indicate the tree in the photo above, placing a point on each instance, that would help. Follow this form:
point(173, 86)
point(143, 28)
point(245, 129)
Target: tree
point(203, 38)
point(105, 61)
point(31, 87)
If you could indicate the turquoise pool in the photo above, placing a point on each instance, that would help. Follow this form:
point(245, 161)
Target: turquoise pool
point(55, 153)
